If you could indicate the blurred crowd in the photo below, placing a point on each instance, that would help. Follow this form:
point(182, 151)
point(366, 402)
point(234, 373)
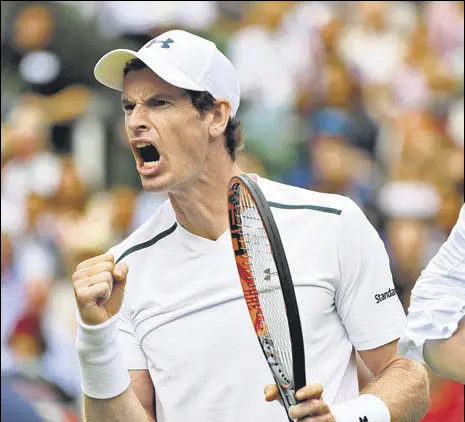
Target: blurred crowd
point(360, 98)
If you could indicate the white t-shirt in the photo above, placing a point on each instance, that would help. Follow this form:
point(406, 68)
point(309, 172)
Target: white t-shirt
point(185, 320)
point(437, 303)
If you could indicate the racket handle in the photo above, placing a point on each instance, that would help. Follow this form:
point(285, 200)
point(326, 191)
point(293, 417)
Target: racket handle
point(288, 398)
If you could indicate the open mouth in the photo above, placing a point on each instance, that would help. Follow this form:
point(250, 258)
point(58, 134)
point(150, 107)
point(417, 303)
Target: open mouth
point(148, 153)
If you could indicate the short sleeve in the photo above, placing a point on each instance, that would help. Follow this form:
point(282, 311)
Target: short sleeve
point(366, 299)
point(131, 350)
point(437, 302)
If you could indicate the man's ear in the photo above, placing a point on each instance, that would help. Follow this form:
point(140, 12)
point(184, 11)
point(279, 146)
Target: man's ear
point(219, 118)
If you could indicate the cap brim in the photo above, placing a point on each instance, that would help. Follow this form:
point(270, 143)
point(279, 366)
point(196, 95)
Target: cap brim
point(109, 70)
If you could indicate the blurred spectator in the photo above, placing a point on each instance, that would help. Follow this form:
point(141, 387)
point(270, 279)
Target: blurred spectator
point(45, 61)
point(445, 32)
point(332, 163)
point(15, 408)
point(36, 244)
point(122, 213)
point(276, 57)
point(370, 46)
point(270, 57)
point(30, 166)
point(12, 298)
point(32, 395)
point(27, 341)
point(134, 18)
point(146, 204)
point(455, 122)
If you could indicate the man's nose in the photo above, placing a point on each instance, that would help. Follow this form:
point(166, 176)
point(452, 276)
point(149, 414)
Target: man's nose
point(138, 119)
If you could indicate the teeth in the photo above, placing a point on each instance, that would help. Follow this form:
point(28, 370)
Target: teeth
point(150, 164)
point(142, 144)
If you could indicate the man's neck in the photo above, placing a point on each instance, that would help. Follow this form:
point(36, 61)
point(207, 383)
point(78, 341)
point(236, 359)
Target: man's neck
point(202, 208)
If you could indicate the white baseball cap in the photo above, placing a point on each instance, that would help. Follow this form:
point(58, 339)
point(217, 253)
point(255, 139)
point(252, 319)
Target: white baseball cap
point(180, 58)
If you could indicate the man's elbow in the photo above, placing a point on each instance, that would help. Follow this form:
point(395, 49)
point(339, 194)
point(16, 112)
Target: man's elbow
point(419, 385)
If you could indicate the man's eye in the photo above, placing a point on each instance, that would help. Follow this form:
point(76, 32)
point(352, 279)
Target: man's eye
point(158, 103)
point(152, 103)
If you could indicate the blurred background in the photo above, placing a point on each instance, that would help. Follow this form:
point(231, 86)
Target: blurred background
point(359, 98)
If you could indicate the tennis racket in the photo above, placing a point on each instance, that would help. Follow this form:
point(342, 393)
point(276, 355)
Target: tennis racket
point(267, 285)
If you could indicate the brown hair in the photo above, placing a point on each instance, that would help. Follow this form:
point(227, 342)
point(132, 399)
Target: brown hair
point(203, 101)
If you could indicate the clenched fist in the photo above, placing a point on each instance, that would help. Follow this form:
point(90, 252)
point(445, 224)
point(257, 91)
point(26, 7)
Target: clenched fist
point(99, 288)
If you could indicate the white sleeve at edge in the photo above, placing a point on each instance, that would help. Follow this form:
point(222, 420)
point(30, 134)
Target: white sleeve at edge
point(438, 299)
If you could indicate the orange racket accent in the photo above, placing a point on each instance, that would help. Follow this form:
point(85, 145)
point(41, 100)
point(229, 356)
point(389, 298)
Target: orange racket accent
point(248, 285)
point(251, 297)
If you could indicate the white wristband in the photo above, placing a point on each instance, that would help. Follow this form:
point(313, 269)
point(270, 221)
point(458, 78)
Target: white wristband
point(364, 408)
point(103, 374)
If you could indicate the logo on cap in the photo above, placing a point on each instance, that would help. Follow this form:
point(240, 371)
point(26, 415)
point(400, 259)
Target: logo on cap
point(164, 43)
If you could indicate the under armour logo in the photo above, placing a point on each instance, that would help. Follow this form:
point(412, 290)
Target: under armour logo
point(164, 43)
point(364, 419)
point(268, 274)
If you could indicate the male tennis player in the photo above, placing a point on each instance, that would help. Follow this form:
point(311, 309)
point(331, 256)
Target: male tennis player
point(170, 338)
point(435, 331)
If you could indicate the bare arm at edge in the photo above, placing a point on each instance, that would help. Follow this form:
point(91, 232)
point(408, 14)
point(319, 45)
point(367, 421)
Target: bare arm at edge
point(401, 383)
point(447, 357)
point(136, 404)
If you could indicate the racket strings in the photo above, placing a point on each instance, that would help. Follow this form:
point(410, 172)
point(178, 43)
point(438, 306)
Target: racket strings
point(277, 341)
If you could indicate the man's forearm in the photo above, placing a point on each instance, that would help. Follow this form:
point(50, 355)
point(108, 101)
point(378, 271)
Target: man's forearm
point(404, 386)
point(122, 408)
point(446, 357)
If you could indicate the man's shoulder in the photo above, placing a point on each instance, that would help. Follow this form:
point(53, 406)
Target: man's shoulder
point(283, 195)
point(159, 225)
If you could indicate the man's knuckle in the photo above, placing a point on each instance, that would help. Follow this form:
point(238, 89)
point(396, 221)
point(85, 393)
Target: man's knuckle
point(82, 282)
point(79, 275)
point(83, 264)
point(84, 272)
point(107, 276)
point(103, 284)
point(105, 266)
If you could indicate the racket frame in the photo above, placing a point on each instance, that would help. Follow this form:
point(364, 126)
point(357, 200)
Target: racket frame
point(284, 276)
